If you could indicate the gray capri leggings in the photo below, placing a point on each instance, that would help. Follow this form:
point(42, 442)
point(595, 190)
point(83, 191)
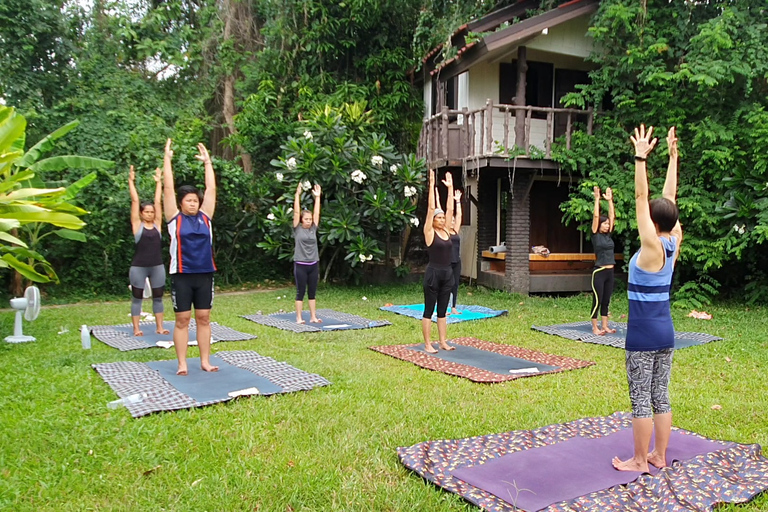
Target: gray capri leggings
point(138, 277)
point(648, 375)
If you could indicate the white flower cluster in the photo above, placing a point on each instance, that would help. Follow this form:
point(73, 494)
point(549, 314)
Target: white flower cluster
point(364, 258)
point(377, 160)
point(279, 176)
point(409, 191)
point(305, 185)
point(358, 176)
point(291, 163)
point(740, 229)
point(393, 168)
point(308, 135)
point(415, 222)
point(271, 216)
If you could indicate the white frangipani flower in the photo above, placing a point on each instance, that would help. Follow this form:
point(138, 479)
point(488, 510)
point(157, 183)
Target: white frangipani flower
point(279, 176)
point(291, 163)
point(290, 210)
point(362, 258)
point(358, 176)
point(393, 168)
point(369, 257)
point(305, 185)
point(308, 135)
point(409, 191)
point(271, 216)
point(414, 222)
point(377, 160)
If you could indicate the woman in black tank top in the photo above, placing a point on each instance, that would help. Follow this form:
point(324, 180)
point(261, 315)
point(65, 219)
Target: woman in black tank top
point(147, 261)
point(602, 275)
point(438, 277)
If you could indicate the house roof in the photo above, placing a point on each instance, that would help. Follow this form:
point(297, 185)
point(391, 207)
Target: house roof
point(494, 44)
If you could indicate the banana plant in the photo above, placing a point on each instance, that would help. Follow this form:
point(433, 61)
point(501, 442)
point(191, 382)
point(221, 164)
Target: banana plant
point(28, 208)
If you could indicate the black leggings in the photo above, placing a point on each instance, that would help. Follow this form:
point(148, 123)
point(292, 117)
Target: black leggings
point(456, 280)
point(438, 282)
point(306, 277)
point(602, 288)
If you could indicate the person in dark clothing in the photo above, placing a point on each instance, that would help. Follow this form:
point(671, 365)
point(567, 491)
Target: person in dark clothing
point(306, 256)
point(147, 261)
point(602, 275)
point(454, 230)
point(438, 277)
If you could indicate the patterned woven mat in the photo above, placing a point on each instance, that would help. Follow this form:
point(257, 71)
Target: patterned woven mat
point(124, 341)
point(128, 378)
point(582, 331)
point(477, 374)
point(732, 475)
point(352, 321)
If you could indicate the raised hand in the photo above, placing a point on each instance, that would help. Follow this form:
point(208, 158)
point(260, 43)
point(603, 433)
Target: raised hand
point(131, 174)
point(596, 192)
point(168, 150)
point(431, 178)
point(672, 142)
point(316, 190)
point(643, 142)
point(298, 188)
point(457, 195)
point(203, 155)
point(448, 181)
point(158, 172)
point(608, 196)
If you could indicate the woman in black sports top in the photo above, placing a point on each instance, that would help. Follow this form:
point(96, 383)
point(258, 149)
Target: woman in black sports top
point(602, 275)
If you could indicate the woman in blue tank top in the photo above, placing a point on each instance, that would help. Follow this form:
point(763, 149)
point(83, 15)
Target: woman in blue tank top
point(650, 333)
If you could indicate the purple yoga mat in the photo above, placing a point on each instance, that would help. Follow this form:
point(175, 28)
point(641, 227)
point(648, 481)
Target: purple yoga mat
point(536, 478)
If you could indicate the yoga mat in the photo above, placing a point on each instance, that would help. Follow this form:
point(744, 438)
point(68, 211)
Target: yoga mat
point(129, 378)
point(331, 321)
point(121, 336)
point(212, 386)
point(582, 331)
point(486, 360)
point(733, 474)
point(536, 478)
point(494, 360)
point(467, 313)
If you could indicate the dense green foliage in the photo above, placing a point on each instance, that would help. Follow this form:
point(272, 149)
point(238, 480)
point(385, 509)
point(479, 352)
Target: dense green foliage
point(700, 66)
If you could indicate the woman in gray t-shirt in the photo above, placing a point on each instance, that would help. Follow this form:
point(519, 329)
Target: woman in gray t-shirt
point(305, 253)
point(602, 275)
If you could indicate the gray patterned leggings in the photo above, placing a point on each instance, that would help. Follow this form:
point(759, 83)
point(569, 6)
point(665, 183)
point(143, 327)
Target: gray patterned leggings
point(648, 375)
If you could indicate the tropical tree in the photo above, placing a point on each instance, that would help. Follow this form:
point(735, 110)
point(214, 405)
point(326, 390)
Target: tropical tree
point(29, 209)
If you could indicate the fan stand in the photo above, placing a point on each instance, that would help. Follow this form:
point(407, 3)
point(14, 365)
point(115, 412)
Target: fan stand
point(20, 305)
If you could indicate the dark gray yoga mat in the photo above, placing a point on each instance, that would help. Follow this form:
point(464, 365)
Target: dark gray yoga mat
point(150, 336)
point(327, 324)
point(486, 360)
point(536, 478)
point(207, 386)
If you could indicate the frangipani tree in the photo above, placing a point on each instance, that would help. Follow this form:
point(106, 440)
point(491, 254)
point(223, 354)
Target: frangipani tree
point(370, 193)
point(27, 205)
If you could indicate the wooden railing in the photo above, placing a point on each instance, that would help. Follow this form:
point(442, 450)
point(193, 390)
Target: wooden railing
point(456, 135)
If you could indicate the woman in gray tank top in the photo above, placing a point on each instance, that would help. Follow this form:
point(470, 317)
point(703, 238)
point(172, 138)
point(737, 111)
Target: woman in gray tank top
point(306, 256)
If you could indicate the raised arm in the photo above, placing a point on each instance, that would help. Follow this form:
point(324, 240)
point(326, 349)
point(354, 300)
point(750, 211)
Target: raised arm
point(448, 182)
point(429, 232)
point(297, 206)
point(135, 205)
point(596, 212)
point(169, 199)
point(651, 255)
point(670, 184)
point(611, 212)
point(316, 212)
point(158, 196)
point(209, 197)
point(458, 216)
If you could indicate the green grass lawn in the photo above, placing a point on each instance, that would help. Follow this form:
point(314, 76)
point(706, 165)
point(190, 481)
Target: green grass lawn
point(332, 448)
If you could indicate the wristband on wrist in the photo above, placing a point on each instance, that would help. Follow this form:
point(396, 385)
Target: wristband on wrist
point(640, 158)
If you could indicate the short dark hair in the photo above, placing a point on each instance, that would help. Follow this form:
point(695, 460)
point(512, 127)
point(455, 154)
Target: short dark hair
point(144, 204)
point(603, 218)
point(664, 213)
point(184, 190)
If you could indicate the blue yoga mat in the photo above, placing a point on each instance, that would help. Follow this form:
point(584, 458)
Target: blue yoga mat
point(467, 313)
point(327, 324)
point(486, 360)
point(208, 386)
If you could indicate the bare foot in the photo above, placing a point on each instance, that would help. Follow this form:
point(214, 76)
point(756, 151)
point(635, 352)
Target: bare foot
point(162, 330)
point(445, 346)
point(657, 460)
point(455, 311)
point(598, 332)
point(300, 321)
point(629, 465)
point(208, 367)
point(429, 348)
point(182, 370)
point(608, 330)
point(138, 333)
point(315, 320)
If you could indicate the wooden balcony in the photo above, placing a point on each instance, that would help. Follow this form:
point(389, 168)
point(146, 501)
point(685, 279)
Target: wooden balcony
point(455, 136)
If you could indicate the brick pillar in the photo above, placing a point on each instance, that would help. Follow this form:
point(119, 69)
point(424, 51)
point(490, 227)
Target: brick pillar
point(486, 216)
point(518, 236)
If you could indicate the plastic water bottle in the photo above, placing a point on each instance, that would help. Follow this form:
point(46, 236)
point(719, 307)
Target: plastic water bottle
point(85, 337)
point(130, 399)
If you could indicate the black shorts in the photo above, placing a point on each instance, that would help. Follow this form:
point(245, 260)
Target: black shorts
point(189, 290)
